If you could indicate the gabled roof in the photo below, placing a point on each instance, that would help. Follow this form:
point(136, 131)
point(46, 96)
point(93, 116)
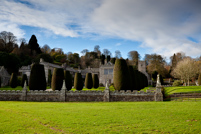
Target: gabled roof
point(3, 71)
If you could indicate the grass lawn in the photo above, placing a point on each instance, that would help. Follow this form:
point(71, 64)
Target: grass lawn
point(17, 88)
point(180, 89)
point(20, 88)
point(100, 117)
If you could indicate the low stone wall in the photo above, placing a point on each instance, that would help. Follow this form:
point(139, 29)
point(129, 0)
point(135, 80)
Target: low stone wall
point(185, 95)
point(79, 96)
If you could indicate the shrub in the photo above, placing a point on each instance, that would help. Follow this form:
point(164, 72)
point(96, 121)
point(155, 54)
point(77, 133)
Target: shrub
point(95, 80)
point(121, 75)
point(88, 81)
point(37, 79)
point(101, 85)
point(78, 82)
point(13, 80)
point(68, 79)
point(199, 79)
point(176, 83)
point(57, 78)
point(24, 79)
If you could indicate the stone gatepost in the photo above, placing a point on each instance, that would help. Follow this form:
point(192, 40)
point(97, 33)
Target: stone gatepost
point(106, 97)
point(63, 92)
point(24, 92)
point(158, 96)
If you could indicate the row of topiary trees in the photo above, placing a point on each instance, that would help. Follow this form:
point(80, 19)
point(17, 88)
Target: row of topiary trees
point(38, 81)
point(127, 78)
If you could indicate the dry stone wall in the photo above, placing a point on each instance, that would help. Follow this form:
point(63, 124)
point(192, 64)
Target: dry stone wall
point(78, 96)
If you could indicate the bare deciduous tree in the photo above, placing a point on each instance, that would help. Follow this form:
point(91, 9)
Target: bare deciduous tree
point(186, 69)
point(117, 54)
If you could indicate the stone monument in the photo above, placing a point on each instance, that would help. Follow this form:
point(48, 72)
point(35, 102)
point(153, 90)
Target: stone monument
point(106, 96)
point(158, 96)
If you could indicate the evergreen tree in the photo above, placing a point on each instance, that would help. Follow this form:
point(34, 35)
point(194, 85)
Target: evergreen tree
point(121, 75)
point(33, 45)
point(174, 62)
point(78, 82)
point(24, 78)
point(132, 79)
point(57, 78)
point(108, 58)
point(102, 59)
point(37, 80)
point(88, 81)
point(95, 81)
point(0, 81)
point(49, 77)
point(13, 80)
point(199, 79)
point(68, 80)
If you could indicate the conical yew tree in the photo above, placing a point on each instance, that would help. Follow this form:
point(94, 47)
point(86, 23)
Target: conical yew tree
point(37, 79)
point(199, 79)
point(68, 79)
point(13, 80)
point(95, 81)
point(88, 81)
point(78, 83)
point(24, 79)
point(57, 79)
point(121, 75)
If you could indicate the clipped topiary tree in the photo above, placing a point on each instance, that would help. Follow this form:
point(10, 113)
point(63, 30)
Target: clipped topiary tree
point(121, 75)
point(68, 79)
point(88, 81)
point(0, 81)
point(37, 80)
point(57, 79)
point(78, 83)
point(13, 80)
point(24, 79)
point(199, 79)
point(49, 79)
point(95, 81)
point(132, 78)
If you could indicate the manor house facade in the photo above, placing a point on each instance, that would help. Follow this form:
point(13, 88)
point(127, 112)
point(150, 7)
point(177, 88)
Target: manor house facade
point(105, 72)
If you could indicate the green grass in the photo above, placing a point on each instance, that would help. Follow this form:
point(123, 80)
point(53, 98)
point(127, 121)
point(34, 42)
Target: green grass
point(17, 88)
point(20, 88)
point(113, 117)
point(181, 89)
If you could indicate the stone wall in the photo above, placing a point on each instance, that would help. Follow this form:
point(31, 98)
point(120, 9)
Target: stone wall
point(78, 96)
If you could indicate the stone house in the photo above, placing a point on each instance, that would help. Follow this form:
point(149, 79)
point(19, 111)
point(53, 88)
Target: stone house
point(105, 72)
point(5, 76)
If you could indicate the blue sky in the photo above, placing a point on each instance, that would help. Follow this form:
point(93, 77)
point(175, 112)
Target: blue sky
point(154, 26)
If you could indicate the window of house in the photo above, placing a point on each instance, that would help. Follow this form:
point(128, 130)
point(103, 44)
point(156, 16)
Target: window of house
point(108, 71)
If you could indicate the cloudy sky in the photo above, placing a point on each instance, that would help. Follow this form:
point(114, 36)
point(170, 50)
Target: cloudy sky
point(147, 26)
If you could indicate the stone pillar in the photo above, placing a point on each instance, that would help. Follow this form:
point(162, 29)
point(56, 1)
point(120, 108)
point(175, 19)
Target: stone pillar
point(63, 92)
point(24, 92)
point(158, 96)
point(106, 97)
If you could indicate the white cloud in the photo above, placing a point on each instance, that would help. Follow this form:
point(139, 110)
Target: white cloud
point(118, 44)
point(161, 26)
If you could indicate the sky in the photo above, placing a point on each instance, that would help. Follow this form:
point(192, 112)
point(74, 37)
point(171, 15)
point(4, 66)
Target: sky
point(164, 27)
